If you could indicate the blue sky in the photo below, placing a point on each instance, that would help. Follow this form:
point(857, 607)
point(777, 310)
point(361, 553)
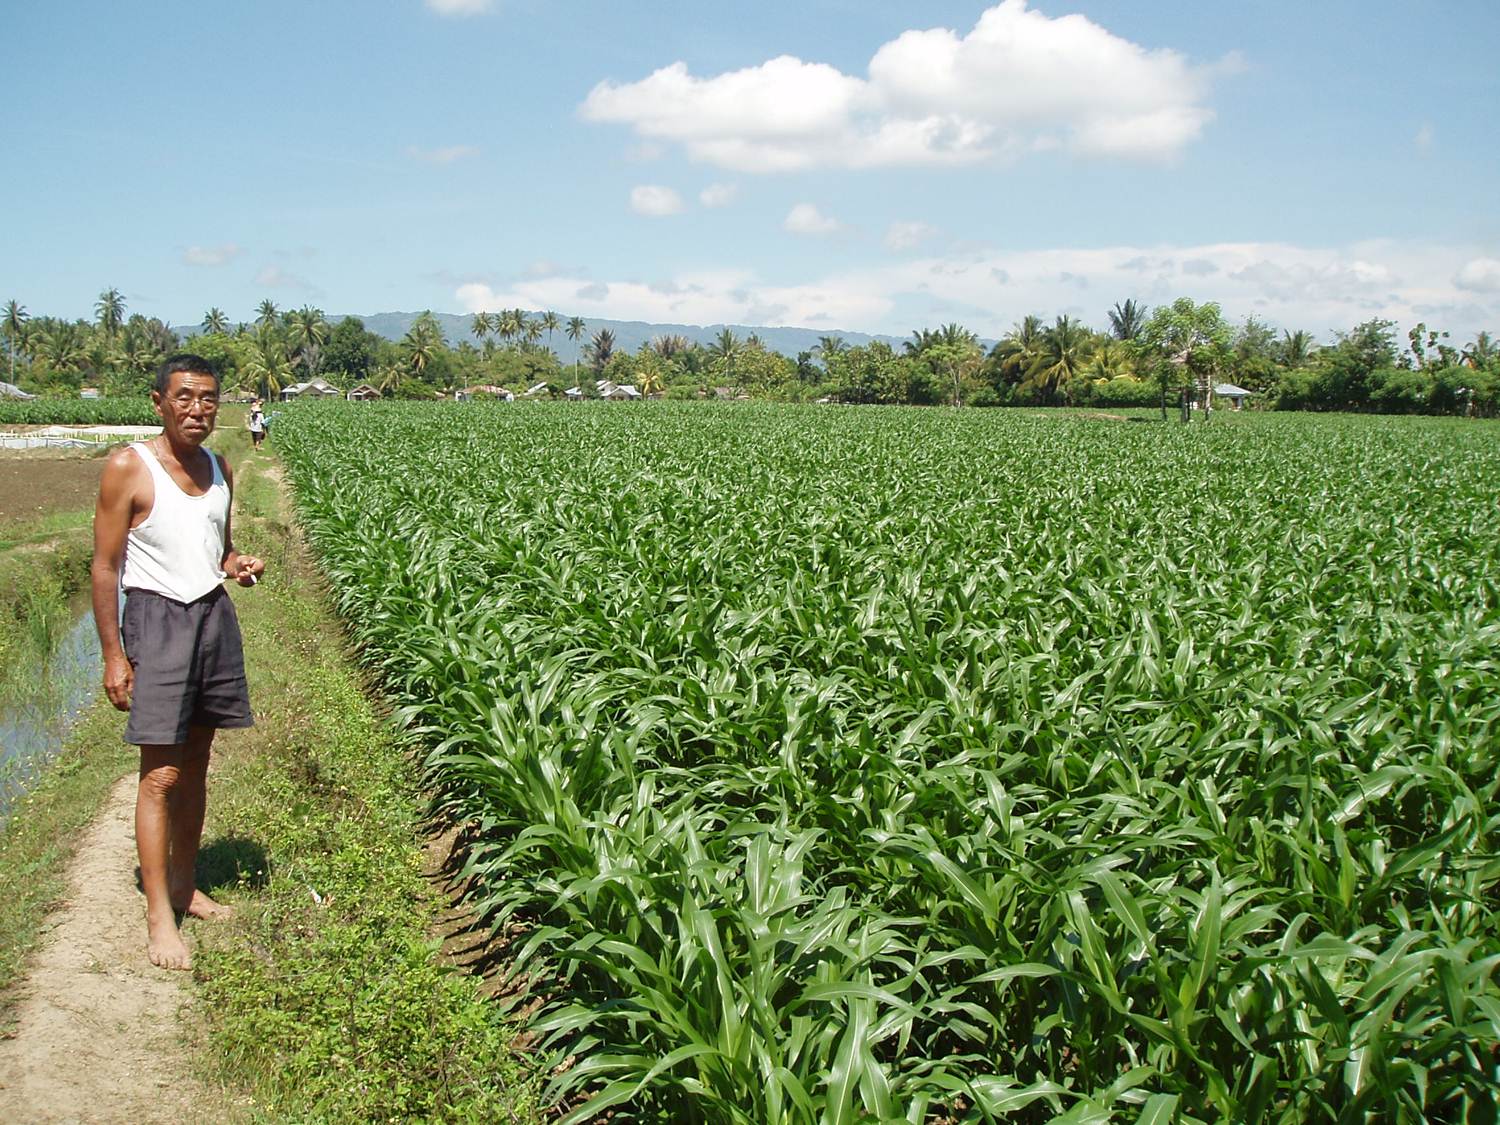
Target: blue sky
point(832, 164)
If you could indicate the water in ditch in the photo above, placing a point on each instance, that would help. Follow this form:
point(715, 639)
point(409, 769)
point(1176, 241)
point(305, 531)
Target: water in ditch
point(34, 725)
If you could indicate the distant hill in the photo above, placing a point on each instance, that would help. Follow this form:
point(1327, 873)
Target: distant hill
point(629, 334)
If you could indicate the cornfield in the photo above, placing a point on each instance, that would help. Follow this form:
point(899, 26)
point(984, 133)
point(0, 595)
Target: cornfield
point(862, 765)
point(78, 412)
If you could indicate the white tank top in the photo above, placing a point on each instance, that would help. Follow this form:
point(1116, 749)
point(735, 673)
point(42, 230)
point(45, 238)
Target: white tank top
point(176, 550)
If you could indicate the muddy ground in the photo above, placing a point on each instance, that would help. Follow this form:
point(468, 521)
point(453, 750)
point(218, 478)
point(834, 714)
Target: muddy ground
point(31, 487)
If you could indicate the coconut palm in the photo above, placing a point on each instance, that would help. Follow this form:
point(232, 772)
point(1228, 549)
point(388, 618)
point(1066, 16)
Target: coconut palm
point(726, 347)
point(309, 331)
point(508, 324)
point(648, 372)
point(480, 326)
point(266, 313)
point(600, 349)
point(829, 346)
point(14, 327)
point(63, 346)
point(551, 322)
point(109, 310)
point(1016, 352)
point(1296, 349)
point(574, 331)
point(670, 344)
point(422, 342)
point(531, 330)
point(1064, 350)
point(1481, 353)
point(1127, 320)
point(215, 321)
point(269, 367)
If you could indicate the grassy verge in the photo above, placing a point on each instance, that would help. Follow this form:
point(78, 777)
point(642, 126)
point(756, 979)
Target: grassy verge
point(38, 589)
point(37, 840)
point(324, 998)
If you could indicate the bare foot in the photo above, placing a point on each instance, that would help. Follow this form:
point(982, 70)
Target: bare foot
point(165, 947)
point(201, 906)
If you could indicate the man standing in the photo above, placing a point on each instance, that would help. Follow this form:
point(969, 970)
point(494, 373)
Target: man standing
point(161, 530)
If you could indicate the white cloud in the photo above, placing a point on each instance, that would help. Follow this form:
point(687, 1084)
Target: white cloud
point(1424, 138)
point(805, 218)
point(274, 277)
point(460, 7)
point(1320, 289)
point(718, 195)
point(1481, 275)
point(908, 236)
point(1019, 81)
point(445, 155)
point(210, 255)
point(655, 200)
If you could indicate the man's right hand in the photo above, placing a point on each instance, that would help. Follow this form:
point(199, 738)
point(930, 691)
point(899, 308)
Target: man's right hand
point(119, 682)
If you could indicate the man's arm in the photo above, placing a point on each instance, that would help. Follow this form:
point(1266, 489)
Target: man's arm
point(244, 569)
point(112, 514)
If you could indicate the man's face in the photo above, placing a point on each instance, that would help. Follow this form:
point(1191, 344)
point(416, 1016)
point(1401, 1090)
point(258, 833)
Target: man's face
point(189, 407)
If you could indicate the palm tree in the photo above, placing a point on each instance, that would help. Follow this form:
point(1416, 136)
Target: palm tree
point(600, 349)
point(669, 345)
point(14, 327)
point(1016, 352)
point(508, 324)
point(215, 321)
point(1296, 349)
point(64, 346)
point(726, 347)
point(575, 330)
point(266, 313)
point(648, 372)
point(422, 342)
point(309, 331)
point(110, 311)
point(480, 326)
point(1478, 354)
point(1127, 320)
point(551, 322)
point(532, 331)
point(1064, 350)
point(829, 346)
point(269, 367)
point(1112, 359)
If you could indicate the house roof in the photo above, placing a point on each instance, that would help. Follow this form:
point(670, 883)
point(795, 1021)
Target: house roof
point(1229, 390)
point(10, 390)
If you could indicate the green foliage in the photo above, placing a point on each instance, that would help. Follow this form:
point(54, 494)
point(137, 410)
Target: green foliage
point(78, 412)
point(352, 353)
point(900, 765)
point(325, 1000)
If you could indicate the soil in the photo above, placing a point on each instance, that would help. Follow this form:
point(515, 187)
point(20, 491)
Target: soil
point(35, 486)
point(97, 1033)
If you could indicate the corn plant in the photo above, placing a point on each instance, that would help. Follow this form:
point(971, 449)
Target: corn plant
point(902, 765)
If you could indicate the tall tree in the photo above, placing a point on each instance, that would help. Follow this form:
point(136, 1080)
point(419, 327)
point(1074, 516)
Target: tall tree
point(1188, 344)
point(1127, 320)
point(480, 326)
point(109, 310)
point(1064, 349)
point(15, 330)
point(551, 322)
point(309, 332)
point(1296, 349)
point(725, 348)
point(1015, 353)
point(269, 367)
point(214, 320)
point(600, 349)
point(575, 330)
point(422, 342)
point(266, 313)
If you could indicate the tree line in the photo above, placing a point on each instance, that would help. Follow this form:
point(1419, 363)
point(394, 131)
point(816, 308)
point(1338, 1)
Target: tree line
point(1163, 357)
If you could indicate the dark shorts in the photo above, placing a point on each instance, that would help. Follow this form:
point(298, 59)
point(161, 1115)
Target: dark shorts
point(189, 667)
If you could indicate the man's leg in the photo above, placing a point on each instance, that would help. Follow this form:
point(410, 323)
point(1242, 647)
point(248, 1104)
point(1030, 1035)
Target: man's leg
point(161, 773)
point(185, 806)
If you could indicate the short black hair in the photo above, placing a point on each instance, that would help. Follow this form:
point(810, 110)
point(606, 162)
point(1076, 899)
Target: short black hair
point(182, 361)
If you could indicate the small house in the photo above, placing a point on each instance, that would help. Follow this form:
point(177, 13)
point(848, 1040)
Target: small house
point(10, 390)
point(363, 393)
point(1236, 395)
point(313, 388)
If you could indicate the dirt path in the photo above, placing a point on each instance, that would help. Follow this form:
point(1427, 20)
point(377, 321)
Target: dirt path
point(97, 1029)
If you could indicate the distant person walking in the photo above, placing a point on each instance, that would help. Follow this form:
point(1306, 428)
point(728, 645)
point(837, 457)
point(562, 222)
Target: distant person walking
point(257, 423)
point(161, 530)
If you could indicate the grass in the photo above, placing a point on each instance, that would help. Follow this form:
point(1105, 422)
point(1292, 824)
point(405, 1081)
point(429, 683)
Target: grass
point(39, 837)
point(325, 1000)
